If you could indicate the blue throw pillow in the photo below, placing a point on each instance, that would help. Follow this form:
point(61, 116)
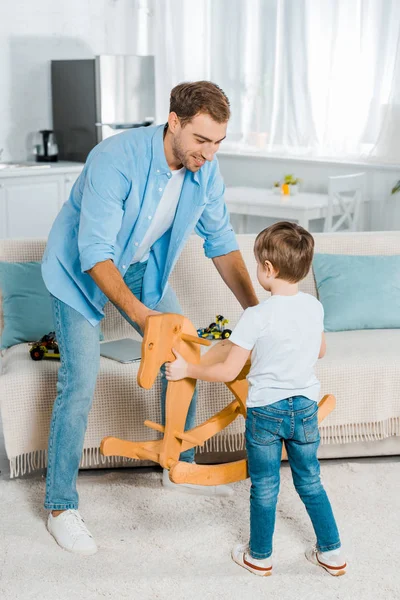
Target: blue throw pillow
point(358, 292)
point(26, 303)
point(27, 309)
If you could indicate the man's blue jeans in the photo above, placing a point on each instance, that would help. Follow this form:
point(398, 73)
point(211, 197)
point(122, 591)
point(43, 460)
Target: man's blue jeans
point(79, 344)
point(294, 421)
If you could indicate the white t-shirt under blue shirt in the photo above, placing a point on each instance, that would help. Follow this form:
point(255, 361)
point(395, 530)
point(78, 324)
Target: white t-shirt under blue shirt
point(284, 334)
point(164, 215)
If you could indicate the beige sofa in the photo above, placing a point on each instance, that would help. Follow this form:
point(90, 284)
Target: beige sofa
point(361, 369)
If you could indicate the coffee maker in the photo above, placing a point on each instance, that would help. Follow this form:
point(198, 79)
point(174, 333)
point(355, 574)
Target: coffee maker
point(45, 146)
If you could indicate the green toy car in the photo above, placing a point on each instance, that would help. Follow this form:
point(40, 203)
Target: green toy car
point(46, 347)
point(215, 331)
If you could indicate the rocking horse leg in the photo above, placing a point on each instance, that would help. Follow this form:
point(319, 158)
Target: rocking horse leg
point(326, 406)
point(213, 425)
point(178, 399)
point(181, 472)
point(222, 419)
point(150, 450)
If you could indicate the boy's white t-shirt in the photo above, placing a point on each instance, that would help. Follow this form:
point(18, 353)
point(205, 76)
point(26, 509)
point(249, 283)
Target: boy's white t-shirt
point(163, 217)
point(284, 334)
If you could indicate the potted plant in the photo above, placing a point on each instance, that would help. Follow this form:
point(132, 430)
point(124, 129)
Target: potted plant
point(293, 183)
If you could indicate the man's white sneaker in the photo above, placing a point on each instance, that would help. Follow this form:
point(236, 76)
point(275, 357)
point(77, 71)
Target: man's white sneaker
point(333, 561)
point(240, 554)
point(71, 533)
point(201, 490)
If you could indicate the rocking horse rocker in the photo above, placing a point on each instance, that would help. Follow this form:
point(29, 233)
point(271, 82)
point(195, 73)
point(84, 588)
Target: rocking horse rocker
point(164, 332)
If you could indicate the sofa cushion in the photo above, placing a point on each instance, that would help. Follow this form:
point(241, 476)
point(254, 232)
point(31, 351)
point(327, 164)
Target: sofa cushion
point(361, 369)
point(358, 292)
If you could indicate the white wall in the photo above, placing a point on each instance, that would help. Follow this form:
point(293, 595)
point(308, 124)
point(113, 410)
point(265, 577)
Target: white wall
point(33, 32)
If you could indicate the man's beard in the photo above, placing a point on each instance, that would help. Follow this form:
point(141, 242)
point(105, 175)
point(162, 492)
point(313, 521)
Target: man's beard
point(180, 155)
point(178, 152)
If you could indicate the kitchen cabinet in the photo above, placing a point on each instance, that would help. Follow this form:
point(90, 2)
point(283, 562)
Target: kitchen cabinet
point(31, 197)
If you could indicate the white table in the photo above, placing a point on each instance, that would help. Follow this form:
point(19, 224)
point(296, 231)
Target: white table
point(302, 207)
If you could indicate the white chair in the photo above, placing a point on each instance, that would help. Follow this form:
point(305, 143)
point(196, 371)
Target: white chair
point(345, 195)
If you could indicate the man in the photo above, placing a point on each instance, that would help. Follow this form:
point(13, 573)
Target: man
point(139, 197)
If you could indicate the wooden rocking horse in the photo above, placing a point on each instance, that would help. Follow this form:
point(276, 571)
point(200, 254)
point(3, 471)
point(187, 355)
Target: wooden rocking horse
point(162, 333)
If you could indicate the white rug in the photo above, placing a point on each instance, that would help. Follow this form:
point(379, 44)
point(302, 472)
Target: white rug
point(156, 544)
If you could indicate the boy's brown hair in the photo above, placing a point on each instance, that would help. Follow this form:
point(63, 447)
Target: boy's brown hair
point(288, 247)
point(189, 99)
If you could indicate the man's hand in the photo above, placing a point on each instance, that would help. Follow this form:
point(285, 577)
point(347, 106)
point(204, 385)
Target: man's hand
point(107, 277)
point(178, 369)
point(141, 320)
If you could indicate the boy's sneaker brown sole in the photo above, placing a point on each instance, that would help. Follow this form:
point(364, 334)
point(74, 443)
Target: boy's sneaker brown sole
point(262, 569)
point(333, 569)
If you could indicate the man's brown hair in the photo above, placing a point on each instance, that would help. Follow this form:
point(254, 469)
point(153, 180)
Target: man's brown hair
point(288, 247)
point(189, 99)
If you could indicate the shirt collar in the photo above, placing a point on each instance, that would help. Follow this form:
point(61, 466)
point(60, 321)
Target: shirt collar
point(159, 161)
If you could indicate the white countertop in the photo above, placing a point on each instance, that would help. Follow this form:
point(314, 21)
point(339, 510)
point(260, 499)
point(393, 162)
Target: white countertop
point(24, 168)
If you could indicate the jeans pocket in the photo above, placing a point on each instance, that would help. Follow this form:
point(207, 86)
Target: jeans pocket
point(310, 425)
point(265, 428)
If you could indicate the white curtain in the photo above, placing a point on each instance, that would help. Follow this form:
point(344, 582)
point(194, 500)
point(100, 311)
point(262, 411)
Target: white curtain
point(181, 46)
point(304, 77)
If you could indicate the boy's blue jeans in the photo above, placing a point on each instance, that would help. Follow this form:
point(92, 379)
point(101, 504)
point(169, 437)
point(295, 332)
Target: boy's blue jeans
point(79, 345)
point(294, 421)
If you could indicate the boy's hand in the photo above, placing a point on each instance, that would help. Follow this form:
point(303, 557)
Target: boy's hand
point(178, 369)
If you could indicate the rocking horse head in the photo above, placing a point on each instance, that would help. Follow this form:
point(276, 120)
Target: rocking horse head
point(162, 333)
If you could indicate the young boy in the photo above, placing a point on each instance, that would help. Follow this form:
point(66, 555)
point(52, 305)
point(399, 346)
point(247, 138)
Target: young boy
point(285, 337)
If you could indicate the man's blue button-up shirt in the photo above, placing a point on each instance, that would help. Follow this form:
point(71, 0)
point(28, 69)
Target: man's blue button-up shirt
point(106, 217)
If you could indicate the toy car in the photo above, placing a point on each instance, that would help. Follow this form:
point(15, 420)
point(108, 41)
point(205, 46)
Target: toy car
point(215, 331)
point(46, 347)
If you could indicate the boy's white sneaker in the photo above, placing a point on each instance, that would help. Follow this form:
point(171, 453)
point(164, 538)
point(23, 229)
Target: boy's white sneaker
point(201, 490)
point(240, 554)
point(70, 532)
point(333, 561)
